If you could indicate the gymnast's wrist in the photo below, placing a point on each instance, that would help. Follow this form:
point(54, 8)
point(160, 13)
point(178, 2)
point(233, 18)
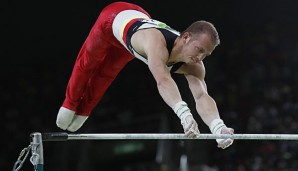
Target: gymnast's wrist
point(181, 110)
point(216, 126)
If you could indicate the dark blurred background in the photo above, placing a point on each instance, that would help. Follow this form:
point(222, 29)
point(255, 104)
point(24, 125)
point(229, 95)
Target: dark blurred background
point(252, 75)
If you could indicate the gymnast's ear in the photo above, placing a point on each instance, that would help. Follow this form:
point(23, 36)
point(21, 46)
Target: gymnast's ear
point(186, 36)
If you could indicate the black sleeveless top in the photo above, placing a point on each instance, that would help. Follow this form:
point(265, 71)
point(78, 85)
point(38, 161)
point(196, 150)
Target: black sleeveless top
point(169, 34)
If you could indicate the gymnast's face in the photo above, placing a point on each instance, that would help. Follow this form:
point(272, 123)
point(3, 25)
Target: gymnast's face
point(196, 47)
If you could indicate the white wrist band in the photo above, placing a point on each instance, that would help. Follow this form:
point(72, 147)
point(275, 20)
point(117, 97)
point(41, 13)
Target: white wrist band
point(181, 110)
point(216, 126)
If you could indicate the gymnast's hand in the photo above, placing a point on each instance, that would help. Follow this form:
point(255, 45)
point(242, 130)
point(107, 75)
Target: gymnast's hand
point(224, 143)
point(190, 126)
point(218, 127)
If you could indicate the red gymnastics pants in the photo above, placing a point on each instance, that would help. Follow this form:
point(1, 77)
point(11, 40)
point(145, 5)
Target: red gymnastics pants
point(99, 61)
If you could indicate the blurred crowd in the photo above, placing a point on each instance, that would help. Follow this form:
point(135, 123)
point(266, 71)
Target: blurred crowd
point(253, 78)
point(257, 93)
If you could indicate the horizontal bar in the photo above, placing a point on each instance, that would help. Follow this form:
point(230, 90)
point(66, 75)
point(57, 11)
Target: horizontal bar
point(169, 136)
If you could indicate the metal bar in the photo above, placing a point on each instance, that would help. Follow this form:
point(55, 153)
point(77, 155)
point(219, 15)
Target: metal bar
point(123, 136)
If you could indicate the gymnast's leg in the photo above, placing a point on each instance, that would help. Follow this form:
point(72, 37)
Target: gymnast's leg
point(98, 84)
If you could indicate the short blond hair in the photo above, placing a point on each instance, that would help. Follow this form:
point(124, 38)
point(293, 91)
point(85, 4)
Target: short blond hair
point(204, 27)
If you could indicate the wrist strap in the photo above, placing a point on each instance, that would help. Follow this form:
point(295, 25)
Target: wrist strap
point(216, 126)
point(181, 109)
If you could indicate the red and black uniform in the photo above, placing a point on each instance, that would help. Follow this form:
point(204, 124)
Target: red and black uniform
point(105, 52)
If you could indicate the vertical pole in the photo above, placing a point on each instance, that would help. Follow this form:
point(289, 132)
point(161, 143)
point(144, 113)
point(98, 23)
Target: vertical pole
point(183, 163)
point(37, 151)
